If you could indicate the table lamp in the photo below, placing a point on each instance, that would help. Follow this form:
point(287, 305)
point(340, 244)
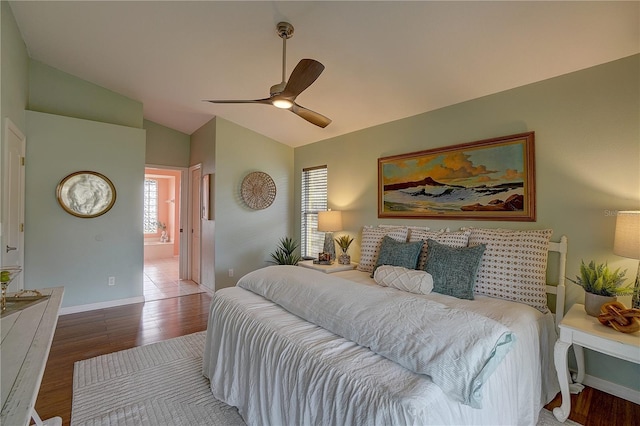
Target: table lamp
point(329, 222)
point(626, 243)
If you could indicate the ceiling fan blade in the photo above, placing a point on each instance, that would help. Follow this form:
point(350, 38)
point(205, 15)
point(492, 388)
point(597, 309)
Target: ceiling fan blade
point(303, 75)
point(311, 116)
point(240, 101)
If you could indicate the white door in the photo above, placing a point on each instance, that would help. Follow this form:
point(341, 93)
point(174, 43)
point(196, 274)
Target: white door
point(12, 248)
point(195, 214)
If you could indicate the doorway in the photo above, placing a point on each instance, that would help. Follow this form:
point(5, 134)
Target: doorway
point(163, 245)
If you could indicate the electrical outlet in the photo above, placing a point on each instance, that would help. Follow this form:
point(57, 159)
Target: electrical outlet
point(230, 272)
point(112, 280)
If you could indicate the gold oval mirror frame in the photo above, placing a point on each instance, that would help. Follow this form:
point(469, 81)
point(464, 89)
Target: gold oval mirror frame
point(86, 194)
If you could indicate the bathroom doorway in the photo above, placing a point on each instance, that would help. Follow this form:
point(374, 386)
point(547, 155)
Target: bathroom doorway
point(163, 200)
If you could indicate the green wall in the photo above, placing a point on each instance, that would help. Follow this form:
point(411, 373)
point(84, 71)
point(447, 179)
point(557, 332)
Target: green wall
point(245, 237)
point(77, 253)
point(165, 146)
point(56, 92)
point(237, 237)
point(15, 65)
point(587, 165)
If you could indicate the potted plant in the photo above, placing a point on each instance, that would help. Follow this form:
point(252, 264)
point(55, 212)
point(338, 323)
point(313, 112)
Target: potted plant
point(344, 241)
point(601, 285)
point(285, 252)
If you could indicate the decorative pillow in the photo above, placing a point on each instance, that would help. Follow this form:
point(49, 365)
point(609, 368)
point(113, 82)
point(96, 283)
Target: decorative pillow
point(371, 241)
point(514, 265)
point(453, 268)
point(418, 282)
point(452, 239)
point(397, 253)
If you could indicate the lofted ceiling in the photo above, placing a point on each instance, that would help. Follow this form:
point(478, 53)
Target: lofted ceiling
point(385, 60)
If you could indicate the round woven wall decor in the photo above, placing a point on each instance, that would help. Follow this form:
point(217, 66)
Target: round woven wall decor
point(258, 190)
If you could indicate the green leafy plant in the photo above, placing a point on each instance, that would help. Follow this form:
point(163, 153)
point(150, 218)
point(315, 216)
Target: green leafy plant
point(344, 241)
point(162, 226)
point(599, 279)
point(285, 252)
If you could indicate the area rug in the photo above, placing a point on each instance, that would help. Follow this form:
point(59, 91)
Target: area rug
point(159, 384)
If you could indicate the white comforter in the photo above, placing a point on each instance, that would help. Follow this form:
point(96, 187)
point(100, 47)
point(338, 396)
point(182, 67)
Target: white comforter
point(458, 349)
point(280, 369)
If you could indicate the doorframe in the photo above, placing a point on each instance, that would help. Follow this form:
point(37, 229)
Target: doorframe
point(183, 257)
point(190, 225)
point(9, 126)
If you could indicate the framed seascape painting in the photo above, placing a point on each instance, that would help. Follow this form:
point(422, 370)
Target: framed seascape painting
point(492, 179)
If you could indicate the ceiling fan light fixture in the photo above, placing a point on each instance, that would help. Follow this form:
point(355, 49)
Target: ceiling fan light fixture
point(282, 103)
point(284, 94)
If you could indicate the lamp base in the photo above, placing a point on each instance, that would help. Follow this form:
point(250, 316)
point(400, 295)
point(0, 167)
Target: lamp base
point(329, 245)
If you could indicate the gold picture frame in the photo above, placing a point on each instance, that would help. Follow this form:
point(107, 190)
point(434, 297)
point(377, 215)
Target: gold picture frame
point(86, 194)
point(491, 179)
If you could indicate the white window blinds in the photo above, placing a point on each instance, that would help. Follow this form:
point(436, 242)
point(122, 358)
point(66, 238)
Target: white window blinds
point(314, 199)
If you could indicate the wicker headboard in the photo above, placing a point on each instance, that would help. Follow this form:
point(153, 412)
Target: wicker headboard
point(559, 288)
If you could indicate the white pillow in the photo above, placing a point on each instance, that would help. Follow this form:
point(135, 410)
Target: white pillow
point(514, 265)
point(371, 242)
point(452, 239)
point(411, 280)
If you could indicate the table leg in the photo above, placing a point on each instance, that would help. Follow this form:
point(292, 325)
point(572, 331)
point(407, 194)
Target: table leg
point(579, 353)
point(54, 421)
point(560, 360)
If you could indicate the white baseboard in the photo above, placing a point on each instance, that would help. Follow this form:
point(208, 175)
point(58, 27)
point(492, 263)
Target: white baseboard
point(612, 388)
point(100, 305)
point(207, 289)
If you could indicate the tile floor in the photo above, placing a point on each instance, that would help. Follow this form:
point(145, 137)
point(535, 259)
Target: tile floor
point(161, 280)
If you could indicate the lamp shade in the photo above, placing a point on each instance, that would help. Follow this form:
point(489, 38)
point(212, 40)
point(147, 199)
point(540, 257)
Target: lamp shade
point(330, 221)
point(627, 237)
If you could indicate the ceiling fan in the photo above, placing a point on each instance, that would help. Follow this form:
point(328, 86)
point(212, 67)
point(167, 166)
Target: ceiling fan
point(283, 95)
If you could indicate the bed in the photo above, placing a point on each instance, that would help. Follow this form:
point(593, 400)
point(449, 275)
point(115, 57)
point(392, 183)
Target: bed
point(295, 346)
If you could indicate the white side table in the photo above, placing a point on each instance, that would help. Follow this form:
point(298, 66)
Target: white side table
point(584, 331)
point(335, 267)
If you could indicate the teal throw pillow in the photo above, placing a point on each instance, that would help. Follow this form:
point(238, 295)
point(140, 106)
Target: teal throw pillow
point(453, 268)
point(396, 253)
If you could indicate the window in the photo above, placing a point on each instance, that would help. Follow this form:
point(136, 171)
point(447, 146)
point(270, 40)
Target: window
point(150, 206)
point(314, 199)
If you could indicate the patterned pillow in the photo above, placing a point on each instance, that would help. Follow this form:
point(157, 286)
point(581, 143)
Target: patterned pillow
point(418, 282)
point(371, 242)
point(398, 253)
point(453, 268)
point(451, 239)
point(514, 265)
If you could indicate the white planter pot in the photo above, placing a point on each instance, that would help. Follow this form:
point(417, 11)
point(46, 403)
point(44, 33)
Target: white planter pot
point(593, 302)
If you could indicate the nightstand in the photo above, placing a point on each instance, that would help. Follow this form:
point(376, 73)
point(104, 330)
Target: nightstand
point(584, 331)
point(327, 269)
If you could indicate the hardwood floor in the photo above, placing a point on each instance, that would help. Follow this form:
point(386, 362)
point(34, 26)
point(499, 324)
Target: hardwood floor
point(89, 334)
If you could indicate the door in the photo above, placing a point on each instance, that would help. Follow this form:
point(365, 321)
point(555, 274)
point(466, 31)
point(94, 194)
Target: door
point(195, 214)
point(12, 248)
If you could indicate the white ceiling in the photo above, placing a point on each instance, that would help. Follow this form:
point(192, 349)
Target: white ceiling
point(384, 60)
